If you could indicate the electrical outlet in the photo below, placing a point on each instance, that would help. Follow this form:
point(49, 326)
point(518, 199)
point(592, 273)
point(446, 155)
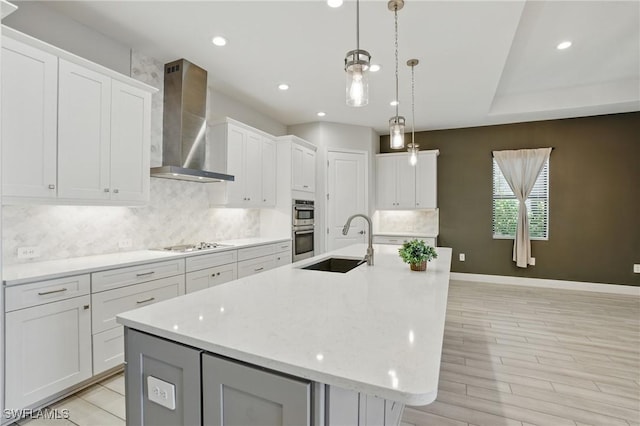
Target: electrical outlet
point(28, 252)
point(161, 392)
point(126, 243)
point(462, 257)
point(532, 261)
point(636, 268)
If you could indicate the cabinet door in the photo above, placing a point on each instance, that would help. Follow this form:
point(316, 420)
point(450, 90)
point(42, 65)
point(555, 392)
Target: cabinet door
point(405, 183)
point(268, 173)
point(386, 183)
point(426, 180)
point(236, 394)
point(236, 145)
point(210, 277)
point(297, 168)
point(29, 120)
point(84, 133)
point(309, 170)
point(48, 349)
point(253, 170)
point(130, 138)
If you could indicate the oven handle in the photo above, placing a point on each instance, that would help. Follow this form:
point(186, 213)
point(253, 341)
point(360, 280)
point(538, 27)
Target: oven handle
point(303, 232)
point(303, 208)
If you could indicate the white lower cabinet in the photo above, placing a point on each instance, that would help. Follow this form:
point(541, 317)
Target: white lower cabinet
point(238, 394)
point(199, 280)
point(108, 343)
point(48, 349)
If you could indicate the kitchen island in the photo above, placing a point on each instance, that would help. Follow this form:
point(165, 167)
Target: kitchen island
point(292, 346)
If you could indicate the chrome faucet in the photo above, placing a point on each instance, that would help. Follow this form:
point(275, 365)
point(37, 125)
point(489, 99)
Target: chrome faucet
point(369, 256)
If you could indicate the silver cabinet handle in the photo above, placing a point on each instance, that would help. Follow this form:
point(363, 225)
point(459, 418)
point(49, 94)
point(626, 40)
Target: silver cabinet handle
point(86, 307)
point(264, 201)
point(145, 274)
point(60, 290)
point(393, 241)
point(115, 191)
point(305, 186)
point(361, 232)
point(258, 270)
point(106, 190)
point(139, 302)
point(277, 258)
point(52, 186)
point(215, 274)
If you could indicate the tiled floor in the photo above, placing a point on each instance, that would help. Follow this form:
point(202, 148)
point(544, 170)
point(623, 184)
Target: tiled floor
point(512, 356)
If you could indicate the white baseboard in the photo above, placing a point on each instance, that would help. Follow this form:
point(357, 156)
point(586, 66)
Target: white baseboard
point(547, 283)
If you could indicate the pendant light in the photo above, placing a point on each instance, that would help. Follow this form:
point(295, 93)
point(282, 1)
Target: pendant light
point(413, 147)
point(396, 123)
point(356, 65)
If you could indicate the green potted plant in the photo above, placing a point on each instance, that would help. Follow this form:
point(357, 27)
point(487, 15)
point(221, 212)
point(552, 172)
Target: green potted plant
point(416, 253)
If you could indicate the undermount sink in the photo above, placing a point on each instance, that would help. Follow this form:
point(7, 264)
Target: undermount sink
point(335, 264)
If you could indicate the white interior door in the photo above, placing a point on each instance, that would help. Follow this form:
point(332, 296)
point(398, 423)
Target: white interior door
point(347, 189)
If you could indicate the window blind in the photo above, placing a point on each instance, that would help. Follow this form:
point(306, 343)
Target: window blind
point(505, 206)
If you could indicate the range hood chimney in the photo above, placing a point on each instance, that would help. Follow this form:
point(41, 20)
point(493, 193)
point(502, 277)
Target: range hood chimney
point(185, 126)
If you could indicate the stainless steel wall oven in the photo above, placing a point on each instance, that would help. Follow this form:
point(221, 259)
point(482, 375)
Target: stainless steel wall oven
point(303, 229)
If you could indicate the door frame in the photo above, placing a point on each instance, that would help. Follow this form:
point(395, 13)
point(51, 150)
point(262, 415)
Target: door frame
point(326, 186)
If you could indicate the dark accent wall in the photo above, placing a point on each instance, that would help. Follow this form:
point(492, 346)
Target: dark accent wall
point(594, 208)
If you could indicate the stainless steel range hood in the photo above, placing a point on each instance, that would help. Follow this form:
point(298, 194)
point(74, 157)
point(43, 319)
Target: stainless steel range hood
point(185, 126)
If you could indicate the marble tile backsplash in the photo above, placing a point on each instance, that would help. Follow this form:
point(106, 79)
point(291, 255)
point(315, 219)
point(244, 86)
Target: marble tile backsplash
point(178, 212)
point(407, 221)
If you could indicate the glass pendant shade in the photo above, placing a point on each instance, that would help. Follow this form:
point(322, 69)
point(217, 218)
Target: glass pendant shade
point(396, 132)
point(356, 65)
point(413, 154)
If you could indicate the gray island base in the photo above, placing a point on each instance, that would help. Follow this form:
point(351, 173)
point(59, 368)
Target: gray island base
point(292, 346)
point(170, 384)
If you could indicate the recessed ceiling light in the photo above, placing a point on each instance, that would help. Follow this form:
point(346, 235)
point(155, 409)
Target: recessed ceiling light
point(334, 3)
point(321, 114)
point(283, 86)
point(219, 41)
point(374, 68)
point(563, 45)
point(394, 103)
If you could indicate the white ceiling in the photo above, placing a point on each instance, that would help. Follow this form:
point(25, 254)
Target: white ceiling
point(481, 62)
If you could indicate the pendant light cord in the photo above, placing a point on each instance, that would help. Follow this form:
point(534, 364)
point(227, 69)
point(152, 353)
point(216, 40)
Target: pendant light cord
point(395, 13)
point(413, 108)
point(358, 28)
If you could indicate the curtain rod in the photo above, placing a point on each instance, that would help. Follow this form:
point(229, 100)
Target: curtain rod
point(552, 148)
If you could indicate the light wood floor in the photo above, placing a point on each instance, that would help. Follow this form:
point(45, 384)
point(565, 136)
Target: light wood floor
point(512, 356)
point(530, 356)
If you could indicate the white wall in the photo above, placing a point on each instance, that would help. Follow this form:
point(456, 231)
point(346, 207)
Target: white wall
point(221, 105)
point(329, 136)
point(55, 28)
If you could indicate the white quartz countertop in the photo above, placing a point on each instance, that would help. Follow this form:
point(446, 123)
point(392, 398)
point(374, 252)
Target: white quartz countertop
point(375, 329)
point(35, 271)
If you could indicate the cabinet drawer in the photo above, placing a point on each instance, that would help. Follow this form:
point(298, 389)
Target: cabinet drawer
point(196, 263)
point(255, 266)
point(114, 278)
point(24, 296)
point(210, 277)
point(108, 349)
point(258, 251)
point(282, 247)
point(283, 258)
point(108, 304)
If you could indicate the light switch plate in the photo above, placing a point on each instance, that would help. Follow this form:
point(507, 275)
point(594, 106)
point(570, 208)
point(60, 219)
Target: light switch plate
point(28, 252)
point(636, 268)
point(161, 392)
point(462, 257)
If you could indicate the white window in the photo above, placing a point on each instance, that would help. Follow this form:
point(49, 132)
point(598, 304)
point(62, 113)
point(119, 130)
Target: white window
point(505, 206)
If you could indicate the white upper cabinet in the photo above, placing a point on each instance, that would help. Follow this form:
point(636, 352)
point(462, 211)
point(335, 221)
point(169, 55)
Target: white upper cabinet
point(73, 131)
point(84, 133)
point(249, 155)
point(426, 180)
point(303, 168)
point(401, 186)
point(29, 120)
point(268, 172)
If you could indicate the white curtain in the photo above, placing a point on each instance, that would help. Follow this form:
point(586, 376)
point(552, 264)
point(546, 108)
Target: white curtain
point(521, 169)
